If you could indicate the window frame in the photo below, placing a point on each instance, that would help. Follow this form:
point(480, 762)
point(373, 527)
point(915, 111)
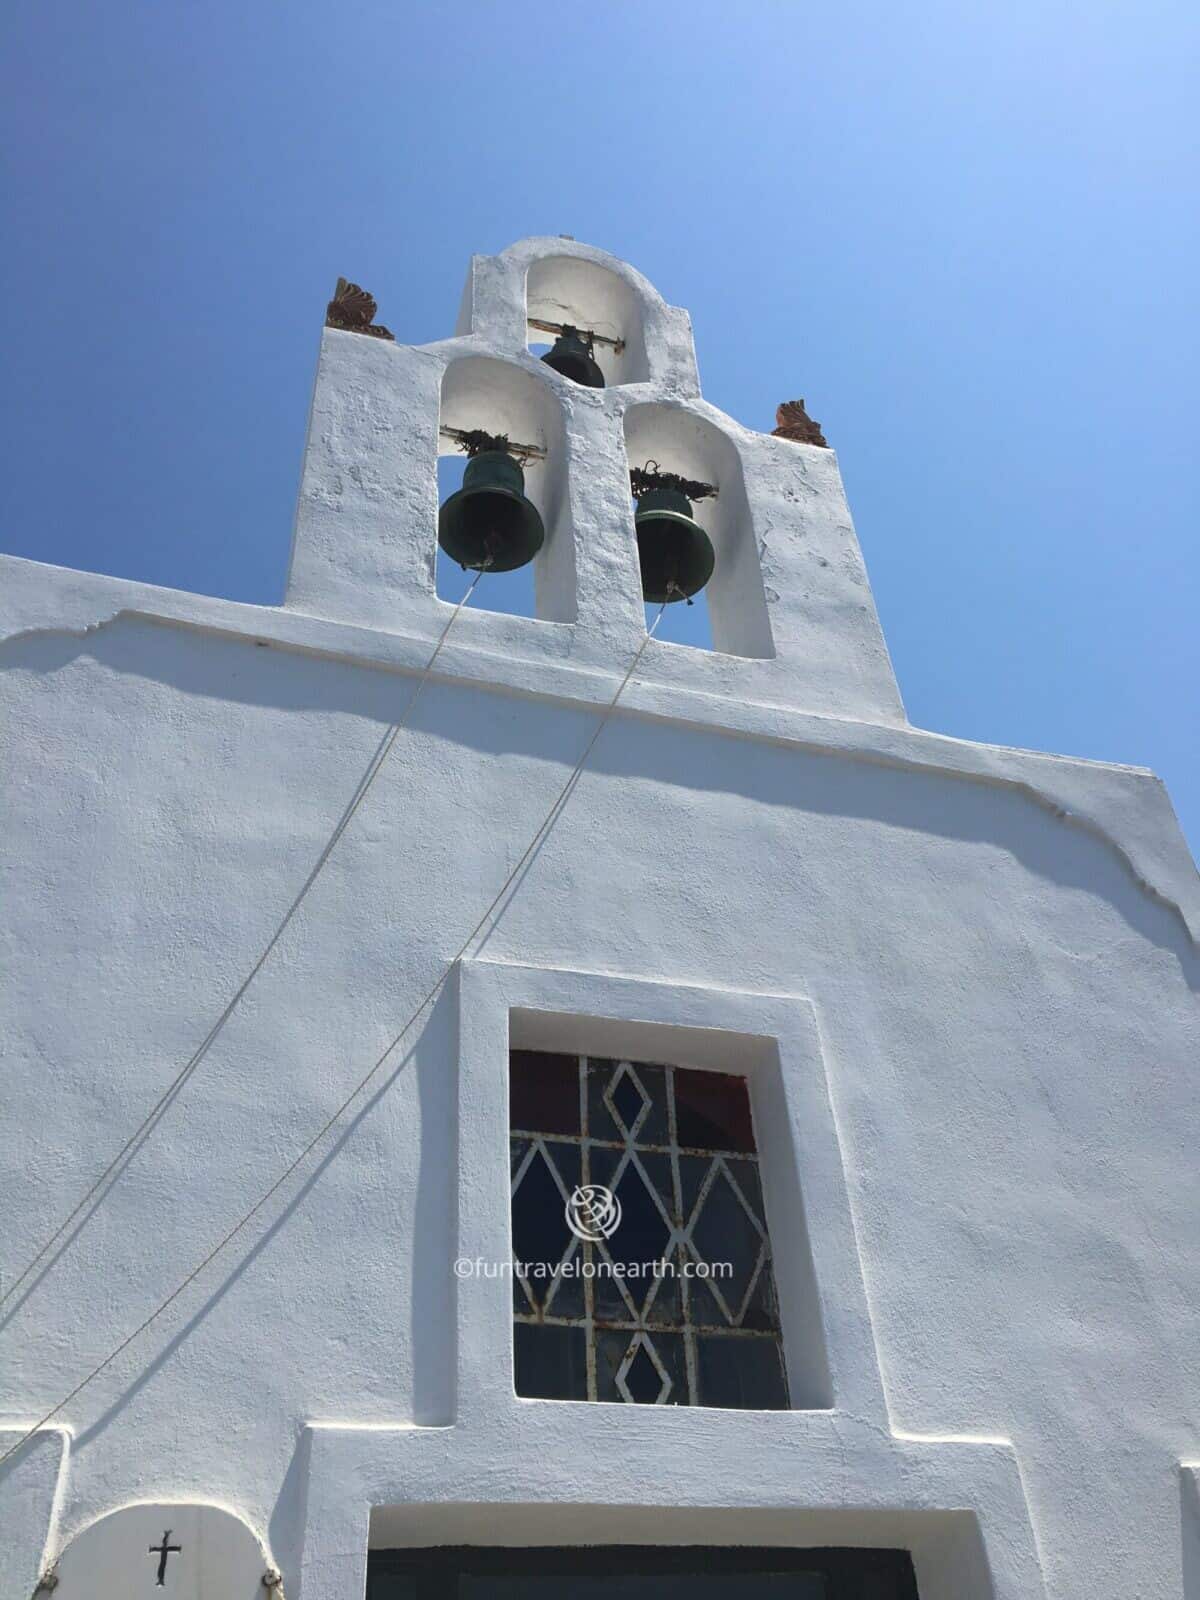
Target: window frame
point(506, 1006)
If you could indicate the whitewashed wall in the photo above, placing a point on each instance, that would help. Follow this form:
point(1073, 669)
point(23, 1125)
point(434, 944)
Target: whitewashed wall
point(970, 972)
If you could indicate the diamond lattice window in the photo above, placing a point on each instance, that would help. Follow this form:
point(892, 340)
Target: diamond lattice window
point(675, 1303)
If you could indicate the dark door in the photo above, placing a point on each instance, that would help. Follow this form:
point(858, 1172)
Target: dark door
point(637, 1572)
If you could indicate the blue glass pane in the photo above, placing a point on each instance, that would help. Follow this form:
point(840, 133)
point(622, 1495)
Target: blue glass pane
point(740, 1373)
point(551, 1362)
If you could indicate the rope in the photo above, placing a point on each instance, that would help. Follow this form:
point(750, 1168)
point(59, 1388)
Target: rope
point(551, 817)
point(154, 1115)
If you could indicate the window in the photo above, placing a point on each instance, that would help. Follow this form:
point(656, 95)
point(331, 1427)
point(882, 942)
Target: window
point(682, 1573)
point(665, 1294)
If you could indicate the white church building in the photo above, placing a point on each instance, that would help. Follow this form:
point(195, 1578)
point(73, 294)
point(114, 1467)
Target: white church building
point(505, 1105)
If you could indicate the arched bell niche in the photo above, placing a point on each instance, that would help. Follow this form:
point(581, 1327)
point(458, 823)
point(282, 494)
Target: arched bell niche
point(499, 397)
point(682, 442)
point(189, 1551)
point(568, 289)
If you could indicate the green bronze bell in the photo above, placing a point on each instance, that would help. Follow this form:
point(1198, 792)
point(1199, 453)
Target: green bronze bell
point(572, 356)
point(675, 553)
point(488, 524)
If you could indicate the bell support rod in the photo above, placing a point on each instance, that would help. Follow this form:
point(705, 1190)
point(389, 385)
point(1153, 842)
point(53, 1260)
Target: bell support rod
point(616, 345)
point(466, 437)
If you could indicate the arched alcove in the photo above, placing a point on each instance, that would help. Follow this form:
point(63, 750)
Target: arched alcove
point(682, 442)
point(501, 398)
point(567, 289)
point(201, 1551)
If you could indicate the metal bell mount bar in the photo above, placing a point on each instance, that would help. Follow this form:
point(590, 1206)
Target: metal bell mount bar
point(643, 479)
point(615, 345)
point(473, 440)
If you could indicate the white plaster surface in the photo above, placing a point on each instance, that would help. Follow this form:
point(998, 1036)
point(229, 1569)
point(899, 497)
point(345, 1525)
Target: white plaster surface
point(1189, 1506)
point(974, 968)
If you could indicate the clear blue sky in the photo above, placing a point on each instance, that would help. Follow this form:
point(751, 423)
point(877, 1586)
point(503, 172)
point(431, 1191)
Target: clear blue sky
point(966, 233)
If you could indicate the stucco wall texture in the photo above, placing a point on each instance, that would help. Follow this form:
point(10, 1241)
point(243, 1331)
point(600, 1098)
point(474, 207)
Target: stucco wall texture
point(995, 951)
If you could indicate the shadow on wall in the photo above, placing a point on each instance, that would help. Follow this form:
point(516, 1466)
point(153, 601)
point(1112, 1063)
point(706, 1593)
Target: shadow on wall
point(689, 761)
point(288, 1523)
point(1189, 1507)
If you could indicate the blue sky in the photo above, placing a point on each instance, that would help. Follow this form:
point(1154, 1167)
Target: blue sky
point(967, 234)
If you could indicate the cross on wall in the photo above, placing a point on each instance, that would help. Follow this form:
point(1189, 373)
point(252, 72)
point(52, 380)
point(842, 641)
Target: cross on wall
point(163, 1551)
point(165, 1548)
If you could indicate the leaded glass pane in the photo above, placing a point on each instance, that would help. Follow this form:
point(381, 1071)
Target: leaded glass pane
point(551, 1362)
point(712, 1111)
point(740, 1373)
point(543, 1091)
point(675, 1304)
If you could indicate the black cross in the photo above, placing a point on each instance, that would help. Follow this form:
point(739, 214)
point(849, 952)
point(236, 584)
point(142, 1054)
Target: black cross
point(162, 1551)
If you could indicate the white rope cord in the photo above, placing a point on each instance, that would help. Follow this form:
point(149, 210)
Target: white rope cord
point(154, 1115)
point(551, 817)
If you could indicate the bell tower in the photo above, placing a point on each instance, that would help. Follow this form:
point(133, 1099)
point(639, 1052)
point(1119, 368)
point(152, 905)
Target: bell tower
point(562, 447)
